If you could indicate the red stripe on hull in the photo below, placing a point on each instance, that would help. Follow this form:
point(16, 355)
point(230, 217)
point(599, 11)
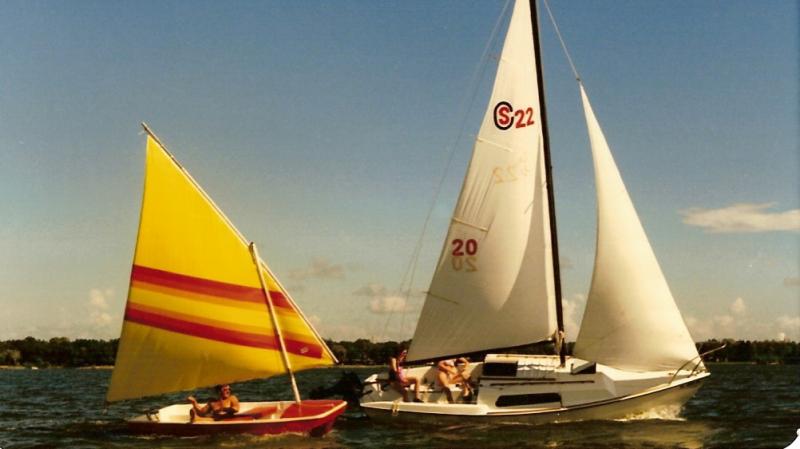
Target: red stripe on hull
point(206, 286)
point(139, 316)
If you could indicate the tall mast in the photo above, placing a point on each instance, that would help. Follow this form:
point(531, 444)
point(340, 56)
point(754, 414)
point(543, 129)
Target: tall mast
point(548, 167)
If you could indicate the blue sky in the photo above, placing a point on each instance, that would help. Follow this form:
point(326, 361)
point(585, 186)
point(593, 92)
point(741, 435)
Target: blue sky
point(322, 130)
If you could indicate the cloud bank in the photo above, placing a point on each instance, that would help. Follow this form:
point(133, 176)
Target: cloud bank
point(742, 218)
point(736, 322)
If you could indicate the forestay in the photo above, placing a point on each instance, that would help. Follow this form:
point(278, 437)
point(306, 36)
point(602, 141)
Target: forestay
point(631, 320)
point(196, 313)
point(493, 285)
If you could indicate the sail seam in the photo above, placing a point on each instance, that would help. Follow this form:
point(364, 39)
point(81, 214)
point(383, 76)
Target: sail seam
point(433, 295)
point(465, 223)
point(494, 144)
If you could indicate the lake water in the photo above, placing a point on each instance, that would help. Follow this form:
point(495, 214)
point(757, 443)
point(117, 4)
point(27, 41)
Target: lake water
point(740, 406)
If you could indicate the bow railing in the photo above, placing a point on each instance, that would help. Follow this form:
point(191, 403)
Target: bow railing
point(697, 365)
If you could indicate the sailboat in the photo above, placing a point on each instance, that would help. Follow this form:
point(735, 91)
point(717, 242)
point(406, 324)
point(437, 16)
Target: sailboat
point(497, 286)
point(204, 309)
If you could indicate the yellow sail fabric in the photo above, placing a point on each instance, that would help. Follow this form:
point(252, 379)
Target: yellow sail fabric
point(196, 313)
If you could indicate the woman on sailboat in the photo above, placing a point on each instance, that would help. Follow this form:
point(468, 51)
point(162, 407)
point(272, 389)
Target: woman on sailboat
point(398, 378)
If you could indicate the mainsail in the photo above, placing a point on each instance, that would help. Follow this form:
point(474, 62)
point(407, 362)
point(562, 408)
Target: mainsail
point(631, 320)
point(493, 286)
point(196, 313)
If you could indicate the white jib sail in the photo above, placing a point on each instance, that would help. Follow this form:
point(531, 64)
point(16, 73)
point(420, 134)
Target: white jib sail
point(631, 320)
point(493, 285)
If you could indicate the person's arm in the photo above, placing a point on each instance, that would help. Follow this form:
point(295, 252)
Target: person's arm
point(446, 367)
point(393, 364)
point(199, 410)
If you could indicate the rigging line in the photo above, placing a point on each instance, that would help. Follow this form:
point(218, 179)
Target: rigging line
point(466, 106)
point(560, 39)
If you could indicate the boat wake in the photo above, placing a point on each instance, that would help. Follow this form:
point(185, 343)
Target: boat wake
point(664, 413)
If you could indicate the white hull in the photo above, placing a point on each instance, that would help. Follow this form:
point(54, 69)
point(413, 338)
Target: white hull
point(519, 396)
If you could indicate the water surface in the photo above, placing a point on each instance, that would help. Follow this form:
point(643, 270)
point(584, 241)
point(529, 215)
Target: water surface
point(740, 406)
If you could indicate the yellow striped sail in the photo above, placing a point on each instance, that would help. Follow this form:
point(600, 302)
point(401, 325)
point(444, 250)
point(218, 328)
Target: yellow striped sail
point(196, 313)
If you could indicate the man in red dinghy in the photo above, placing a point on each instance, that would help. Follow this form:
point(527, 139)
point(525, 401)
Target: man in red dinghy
point(225, 406)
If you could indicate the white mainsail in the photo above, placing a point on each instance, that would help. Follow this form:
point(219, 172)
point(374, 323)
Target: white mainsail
point(493, 286)
point(631, 320)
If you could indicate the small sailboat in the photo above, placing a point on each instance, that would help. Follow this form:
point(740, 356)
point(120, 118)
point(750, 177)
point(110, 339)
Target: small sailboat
point(204, 309)
point(497, 286)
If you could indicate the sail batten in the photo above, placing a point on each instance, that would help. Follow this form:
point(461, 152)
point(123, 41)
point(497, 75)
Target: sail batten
point(196, 313)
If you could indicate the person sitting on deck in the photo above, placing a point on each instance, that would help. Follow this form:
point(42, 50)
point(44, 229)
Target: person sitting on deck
point(451, 372)
point(225, 406)
point(398, 378)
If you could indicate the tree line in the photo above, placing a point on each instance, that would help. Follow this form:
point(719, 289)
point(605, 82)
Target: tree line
point(63, 352)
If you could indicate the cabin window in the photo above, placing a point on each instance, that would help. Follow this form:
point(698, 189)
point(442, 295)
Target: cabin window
point(500, 369)
point(527, 399)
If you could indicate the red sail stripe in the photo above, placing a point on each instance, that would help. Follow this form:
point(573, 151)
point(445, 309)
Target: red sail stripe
point(205, 286)
point(219, 334)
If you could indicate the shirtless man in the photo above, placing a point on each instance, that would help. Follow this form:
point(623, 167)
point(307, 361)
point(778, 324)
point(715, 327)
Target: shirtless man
point(451, 372)
point(226, 405)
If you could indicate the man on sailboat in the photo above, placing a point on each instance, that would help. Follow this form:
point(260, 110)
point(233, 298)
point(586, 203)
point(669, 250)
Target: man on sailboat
point(225, 406)
point(452, 372)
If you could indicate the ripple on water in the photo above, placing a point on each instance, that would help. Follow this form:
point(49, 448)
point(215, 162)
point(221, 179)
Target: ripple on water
point(740, 406)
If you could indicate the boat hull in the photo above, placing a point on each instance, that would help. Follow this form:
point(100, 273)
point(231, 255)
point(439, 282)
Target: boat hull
point(537, 392)
point(650, 404)
point(313, 417)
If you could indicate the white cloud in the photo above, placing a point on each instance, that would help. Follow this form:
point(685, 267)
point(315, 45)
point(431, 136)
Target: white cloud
point(572, 308)
point(319, 268)
point(788, 327)
point(371, 290)
point(341, 332)
point(388, 304)
point(98, 308)
point(699, 329)
point(743, 218)
point(97, 298)
point(99, 315)
point(724, 321)
point(738, 324)
point(738, 308)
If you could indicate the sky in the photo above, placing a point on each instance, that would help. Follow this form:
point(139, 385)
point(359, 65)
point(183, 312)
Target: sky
point(322, 129)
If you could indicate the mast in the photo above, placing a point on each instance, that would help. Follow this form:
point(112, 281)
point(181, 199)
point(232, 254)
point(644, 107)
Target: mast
point(549, 180)
point(275, 324)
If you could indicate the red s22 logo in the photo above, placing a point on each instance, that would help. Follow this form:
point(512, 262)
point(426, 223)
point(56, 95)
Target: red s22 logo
point(505, 116)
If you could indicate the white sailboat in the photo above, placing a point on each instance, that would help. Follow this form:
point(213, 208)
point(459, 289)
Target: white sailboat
point(496, 285)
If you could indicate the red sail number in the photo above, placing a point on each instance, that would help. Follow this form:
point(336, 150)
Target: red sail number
point(460, 247)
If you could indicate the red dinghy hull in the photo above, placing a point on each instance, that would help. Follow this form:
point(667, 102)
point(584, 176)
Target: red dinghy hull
point(312, 417)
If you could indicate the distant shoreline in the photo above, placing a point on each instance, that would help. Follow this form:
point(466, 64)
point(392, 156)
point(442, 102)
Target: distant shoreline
point(111, 367)
point(362, 353)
